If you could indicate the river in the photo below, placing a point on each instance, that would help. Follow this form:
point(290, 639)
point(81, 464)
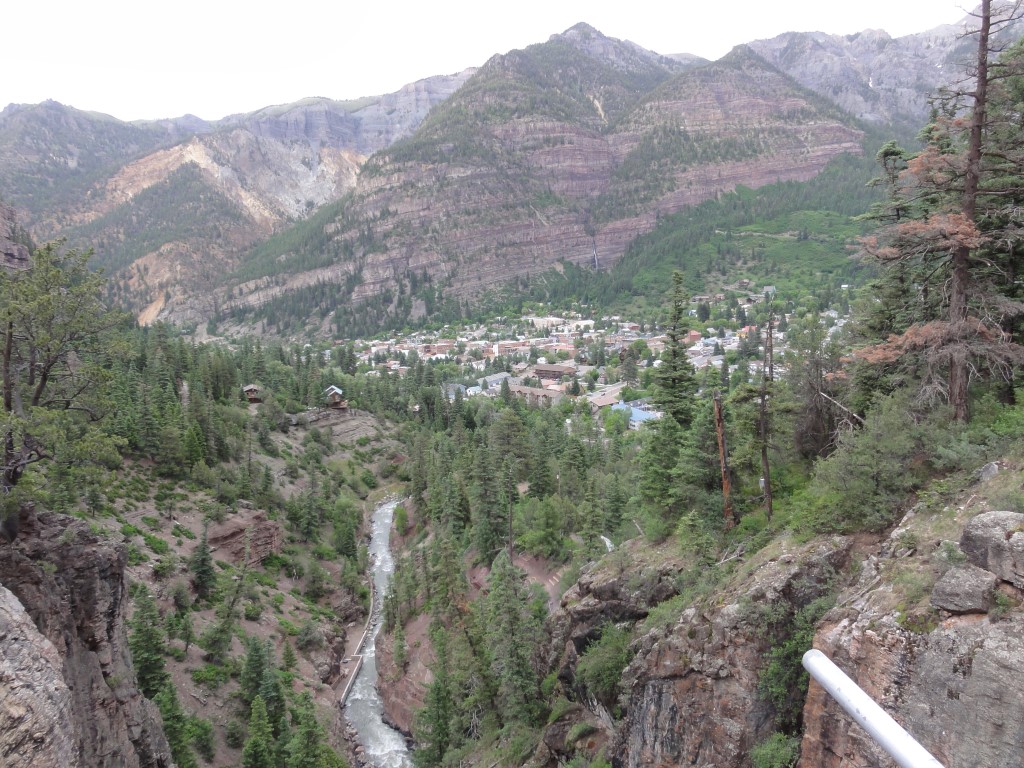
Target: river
point(384, 747)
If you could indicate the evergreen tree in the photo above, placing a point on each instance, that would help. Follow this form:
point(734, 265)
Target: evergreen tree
point(258, 751)
point(175, 726)
point(273, 696)
point(308, 747)
point(511, 635)
point(434, 721)
point(147, 645)
point(55, 332)
point(288, 660)
point(256, 665)
point(204, 577)
point(676, 382)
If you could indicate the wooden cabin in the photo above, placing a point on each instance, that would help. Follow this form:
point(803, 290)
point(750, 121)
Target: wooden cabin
point(335, 399)
point(252, 393)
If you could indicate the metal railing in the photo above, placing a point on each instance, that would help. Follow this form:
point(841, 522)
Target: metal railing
point(887, 733)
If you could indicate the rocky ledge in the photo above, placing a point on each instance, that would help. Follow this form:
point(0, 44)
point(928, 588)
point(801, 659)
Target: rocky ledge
point(69, 583)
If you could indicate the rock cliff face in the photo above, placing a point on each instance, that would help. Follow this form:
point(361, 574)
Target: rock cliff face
point(12, 253)
point(690, 695)
point(35, 703)
point(873, 76)
point(693, 689)
point(362, 127)
point(71, 583)
point(249, 531)
point(955, 683)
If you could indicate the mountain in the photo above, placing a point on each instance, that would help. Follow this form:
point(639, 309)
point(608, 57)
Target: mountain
point(565, 151)
point(169, 206)
point(343, 216)
point(875, 77)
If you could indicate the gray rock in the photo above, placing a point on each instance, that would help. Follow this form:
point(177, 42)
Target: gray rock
point(36, 730)
point(964, 589)
point(988, 471)
point(995, 541)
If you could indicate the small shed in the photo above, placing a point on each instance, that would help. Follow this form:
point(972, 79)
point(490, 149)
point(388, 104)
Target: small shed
point(252, 393)
point(335, 398)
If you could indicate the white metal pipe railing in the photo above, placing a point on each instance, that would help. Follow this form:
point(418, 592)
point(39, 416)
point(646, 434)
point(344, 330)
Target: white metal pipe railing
point(887, 733)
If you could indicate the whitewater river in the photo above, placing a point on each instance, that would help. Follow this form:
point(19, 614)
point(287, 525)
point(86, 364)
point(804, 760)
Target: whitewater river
point(384, 747)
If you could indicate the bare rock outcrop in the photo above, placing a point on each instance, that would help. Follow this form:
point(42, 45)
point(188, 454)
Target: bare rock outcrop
point(622, 590)
point(964, 589)
point(35, 703)
point(693, 690)
point(995, 541)
point(247, 528)
point(12, 253)
point(953, 678)
point(72, 585)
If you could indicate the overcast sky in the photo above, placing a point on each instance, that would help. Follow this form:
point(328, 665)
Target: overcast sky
point(211, 58)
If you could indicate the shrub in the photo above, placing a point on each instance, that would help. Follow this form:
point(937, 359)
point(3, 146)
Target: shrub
point(253, 611)
point(310, 636)
point(234, 734)
point(777, 751)
point(601, 665)
point(200, 733)
point(165, 566)
point(211, 676)
point(155, 543)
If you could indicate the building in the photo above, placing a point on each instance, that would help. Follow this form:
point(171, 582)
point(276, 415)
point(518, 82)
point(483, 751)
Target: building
point(252, 393)
point(536, 395)
point(492, 383)
point(335, 399)
point(639, 412)
point(548, 372)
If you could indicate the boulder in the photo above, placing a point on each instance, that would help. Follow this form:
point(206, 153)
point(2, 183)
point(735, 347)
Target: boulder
point(964, 589)
point(995, 541)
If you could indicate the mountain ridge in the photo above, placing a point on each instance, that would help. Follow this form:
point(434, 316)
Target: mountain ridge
point(568, 145)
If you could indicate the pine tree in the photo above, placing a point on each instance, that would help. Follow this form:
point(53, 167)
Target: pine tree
point(288, 660)
point(258, 751)
point(308, 747)
point(676, 381)
point(148, 645)
point(433, 722)
point(511, 635)
point(256, 665)
point(273, 695)
point(204, 577)
point(175, 726)
point(954, 211)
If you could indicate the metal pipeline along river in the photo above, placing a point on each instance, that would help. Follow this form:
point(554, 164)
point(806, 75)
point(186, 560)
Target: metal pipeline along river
point(383, 746)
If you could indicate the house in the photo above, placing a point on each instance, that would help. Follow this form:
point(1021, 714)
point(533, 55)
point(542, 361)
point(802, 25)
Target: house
point(492, 383)
point(252, 393)
point(599, 400)
point(335, 399)
point(452, 389)
point(639, 413)
point(553, 372)
point(536, 395)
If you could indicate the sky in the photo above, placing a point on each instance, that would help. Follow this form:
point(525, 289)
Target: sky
point(147, 60)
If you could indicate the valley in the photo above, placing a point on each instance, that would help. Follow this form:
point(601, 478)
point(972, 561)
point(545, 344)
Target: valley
point(541, 414)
